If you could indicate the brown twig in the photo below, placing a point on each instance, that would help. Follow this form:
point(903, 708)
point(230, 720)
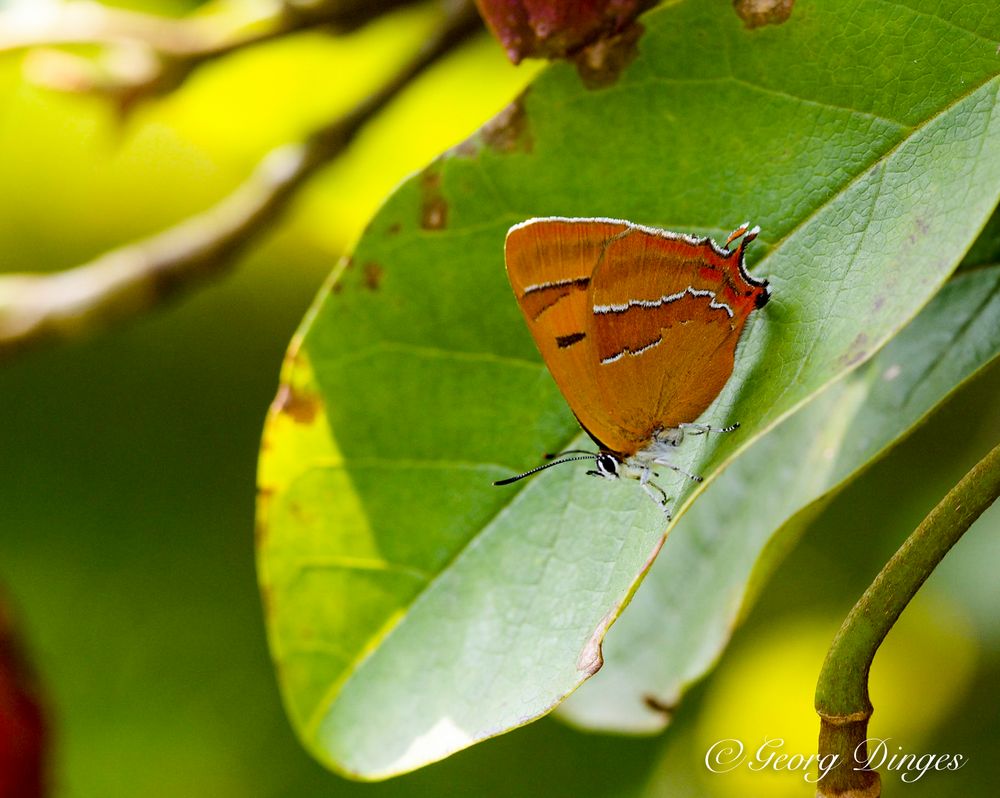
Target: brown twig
point(125, 282)
point(146, 55)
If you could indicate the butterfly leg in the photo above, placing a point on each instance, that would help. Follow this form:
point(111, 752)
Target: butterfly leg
point(655, 492)
point(679, 470)
point(704, 429)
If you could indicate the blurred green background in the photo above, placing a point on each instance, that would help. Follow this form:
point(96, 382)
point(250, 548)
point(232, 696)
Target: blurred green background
point(127, 490)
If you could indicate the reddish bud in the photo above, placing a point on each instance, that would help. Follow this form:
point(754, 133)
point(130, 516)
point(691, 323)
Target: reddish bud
point(556, 28)
point(22, 727)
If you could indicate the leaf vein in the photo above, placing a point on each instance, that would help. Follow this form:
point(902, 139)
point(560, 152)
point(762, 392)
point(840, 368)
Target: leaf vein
point(345, 563)
point(880, 160)
point(926, 14)
point(396, 347)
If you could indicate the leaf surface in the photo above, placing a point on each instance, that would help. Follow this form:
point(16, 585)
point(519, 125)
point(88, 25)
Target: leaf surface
point(413, 609)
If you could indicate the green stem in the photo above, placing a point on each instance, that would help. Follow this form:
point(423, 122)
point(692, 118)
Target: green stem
point(842, 691)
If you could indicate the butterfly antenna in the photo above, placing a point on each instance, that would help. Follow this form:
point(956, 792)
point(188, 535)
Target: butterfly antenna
point(536, 469)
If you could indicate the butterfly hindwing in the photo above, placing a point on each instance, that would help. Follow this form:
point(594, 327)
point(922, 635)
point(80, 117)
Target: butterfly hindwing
point(549, 263)
point(668, 313)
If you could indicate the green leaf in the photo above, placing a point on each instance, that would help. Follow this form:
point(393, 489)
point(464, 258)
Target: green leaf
point(683, 614)
point(412, 608)
point(985, 249)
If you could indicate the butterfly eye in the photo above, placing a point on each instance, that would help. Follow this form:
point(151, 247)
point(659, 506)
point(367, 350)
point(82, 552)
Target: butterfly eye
point(607, 465)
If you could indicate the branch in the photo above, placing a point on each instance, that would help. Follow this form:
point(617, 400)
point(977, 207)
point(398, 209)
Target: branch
point(125, 282)
point(842, 700)
point(149, 55)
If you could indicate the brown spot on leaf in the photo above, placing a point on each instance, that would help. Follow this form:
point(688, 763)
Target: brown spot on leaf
point(434, 213)
point(757, 13)
point(856, 357)
point(259, 534)
point(300, 406)
point(508, 131)
point(857, 351)
point(394, 229)
point(664, 708)
point(464, 149)
point(602, 63)
point(373, 275)
point(920, 232)
point(265, 495)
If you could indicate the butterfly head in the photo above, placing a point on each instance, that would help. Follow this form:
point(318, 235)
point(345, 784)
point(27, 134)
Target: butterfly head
point(607, 465)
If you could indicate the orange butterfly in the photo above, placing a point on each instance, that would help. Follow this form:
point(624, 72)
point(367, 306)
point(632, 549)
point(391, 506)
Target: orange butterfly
point(638, 327)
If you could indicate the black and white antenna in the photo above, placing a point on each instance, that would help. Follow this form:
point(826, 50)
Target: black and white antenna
point(536, 469)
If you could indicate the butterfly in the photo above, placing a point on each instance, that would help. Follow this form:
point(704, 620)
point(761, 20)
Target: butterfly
point(638, 327)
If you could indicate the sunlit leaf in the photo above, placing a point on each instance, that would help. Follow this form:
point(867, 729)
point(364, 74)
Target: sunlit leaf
point(413, 609)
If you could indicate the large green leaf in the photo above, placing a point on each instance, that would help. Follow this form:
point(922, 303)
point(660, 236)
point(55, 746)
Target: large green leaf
point(683, 613)
point(412, 608)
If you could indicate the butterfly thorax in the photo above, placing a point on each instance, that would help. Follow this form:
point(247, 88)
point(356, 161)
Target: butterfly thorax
point(659, 450)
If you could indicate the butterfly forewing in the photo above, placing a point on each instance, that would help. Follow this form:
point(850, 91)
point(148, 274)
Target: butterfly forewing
point(549, 263)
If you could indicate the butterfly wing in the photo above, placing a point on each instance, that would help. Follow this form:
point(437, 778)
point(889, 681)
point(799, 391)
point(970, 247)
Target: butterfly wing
point(668, 311)
point(550, 263)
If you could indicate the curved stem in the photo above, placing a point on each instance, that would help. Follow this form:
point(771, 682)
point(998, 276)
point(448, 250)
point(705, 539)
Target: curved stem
point(842, 700)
